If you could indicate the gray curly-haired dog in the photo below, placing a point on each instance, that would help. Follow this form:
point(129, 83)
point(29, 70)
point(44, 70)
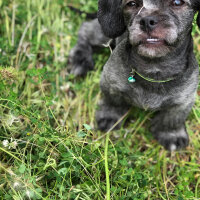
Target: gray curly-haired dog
point(152, 66)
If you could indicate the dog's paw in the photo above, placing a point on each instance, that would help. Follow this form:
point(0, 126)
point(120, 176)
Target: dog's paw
point(105, 124)
point(106, 120)
point(173, 140)
point(78, 70)
point(80, 60)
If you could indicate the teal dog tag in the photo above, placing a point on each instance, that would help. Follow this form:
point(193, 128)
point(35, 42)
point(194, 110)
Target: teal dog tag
point(131, 79)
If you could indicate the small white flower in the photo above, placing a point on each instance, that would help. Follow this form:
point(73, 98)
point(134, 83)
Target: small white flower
point(28, 193)
point(13, 145)
point(65, 88)
point(5, 143)
point(16, 184)
point(44, 30)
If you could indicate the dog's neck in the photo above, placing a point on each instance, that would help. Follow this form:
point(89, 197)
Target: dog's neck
point(170, 66)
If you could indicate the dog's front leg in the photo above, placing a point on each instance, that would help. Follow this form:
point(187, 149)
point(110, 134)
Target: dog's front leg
point(108, 114)
point(168, 127)
point(80, 57)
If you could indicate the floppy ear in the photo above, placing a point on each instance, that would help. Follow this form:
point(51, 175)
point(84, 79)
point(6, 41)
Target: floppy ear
point(111, 18)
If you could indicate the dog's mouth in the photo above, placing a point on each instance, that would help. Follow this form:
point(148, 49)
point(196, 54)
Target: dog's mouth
point(155, 45)
point(153, 41)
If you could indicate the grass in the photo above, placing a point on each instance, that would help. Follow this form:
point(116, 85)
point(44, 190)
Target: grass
point(49, 148)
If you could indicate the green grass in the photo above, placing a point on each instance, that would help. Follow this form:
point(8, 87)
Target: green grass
point(49, 148)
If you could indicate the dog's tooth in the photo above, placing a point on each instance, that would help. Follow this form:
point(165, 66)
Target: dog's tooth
point(152, 40)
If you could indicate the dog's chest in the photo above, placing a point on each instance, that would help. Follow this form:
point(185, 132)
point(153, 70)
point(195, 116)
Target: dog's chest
point(117, 85)
point(151, 96)
point(134, 94)
point(143, 98)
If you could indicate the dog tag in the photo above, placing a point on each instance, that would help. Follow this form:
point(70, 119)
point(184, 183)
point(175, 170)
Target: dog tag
point(131, 79)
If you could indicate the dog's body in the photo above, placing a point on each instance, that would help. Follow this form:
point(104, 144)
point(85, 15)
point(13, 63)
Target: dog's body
point(154, 41)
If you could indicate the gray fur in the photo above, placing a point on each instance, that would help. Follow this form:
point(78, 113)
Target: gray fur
point(80, 57)
point(173, 100)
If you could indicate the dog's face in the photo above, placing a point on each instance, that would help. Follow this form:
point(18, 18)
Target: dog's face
point(155, 27)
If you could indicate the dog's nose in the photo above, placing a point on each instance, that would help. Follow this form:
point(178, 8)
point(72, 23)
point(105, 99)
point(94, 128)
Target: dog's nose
point(148, 23)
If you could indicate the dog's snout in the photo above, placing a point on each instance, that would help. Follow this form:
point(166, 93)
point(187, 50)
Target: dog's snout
point(148, 23)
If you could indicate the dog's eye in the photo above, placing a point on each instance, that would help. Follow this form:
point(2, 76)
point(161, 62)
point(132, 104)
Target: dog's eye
point(131, 4)
point(177, 3)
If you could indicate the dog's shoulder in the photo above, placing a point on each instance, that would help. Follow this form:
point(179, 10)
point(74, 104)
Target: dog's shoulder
point(115, 70)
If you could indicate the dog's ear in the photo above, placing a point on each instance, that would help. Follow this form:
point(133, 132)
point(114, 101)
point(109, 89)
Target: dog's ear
point(111, 18)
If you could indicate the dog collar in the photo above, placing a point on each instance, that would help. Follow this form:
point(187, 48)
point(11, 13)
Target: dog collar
point(132, 79)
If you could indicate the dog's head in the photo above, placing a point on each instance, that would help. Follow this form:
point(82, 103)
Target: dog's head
point(154, 26)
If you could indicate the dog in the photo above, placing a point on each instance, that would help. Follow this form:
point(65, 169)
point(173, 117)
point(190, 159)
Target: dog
point(152, 66)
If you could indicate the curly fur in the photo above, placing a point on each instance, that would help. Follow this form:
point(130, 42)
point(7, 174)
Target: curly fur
point(130, 26)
